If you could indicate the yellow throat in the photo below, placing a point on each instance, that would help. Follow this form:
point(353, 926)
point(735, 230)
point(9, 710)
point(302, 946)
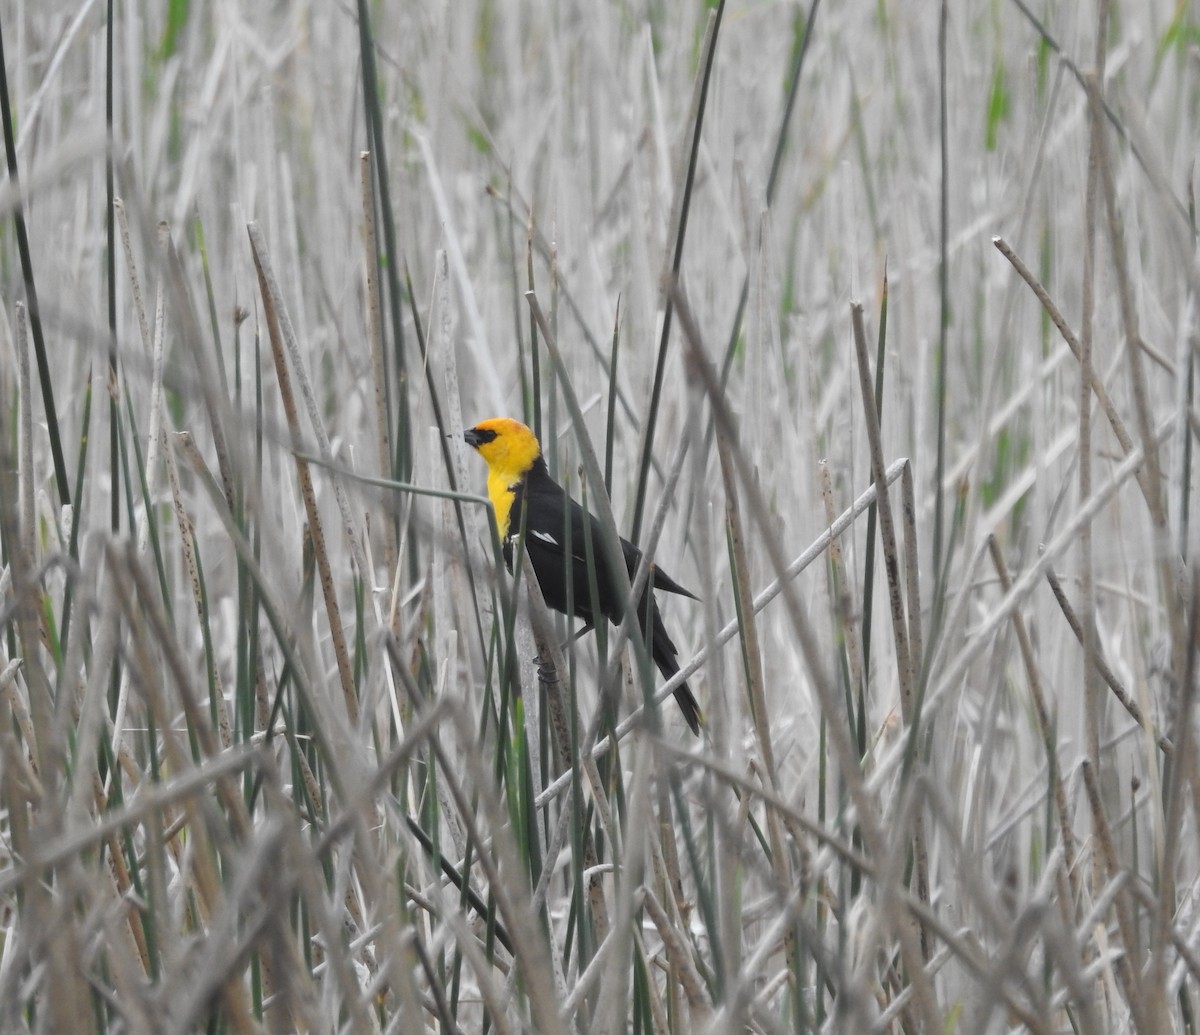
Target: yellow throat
point(510, 451)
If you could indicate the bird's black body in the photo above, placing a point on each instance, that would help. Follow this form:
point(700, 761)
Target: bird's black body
point(554, 540)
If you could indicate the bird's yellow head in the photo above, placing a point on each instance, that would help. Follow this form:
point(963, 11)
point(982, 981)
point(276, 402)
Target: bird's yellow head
point(510, 450)
point(508, 447)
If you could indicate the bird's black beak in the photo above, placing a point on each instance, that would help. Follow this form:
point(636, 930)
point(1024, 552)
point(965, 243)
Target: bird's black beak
point(476, 437)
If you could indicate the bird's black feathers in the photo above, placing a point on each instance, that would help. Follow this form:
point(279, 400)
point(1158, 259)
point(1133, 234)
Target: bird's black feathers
point(550, 519)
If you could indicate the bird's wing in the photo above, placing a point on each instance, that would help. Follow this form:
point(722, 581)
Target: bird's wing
point(547, 523)
point(557, 523)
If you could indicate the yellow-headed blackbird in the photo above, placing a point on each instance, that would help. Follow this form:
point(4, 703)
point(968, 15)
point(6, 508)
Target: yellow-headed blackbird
point(521, 489)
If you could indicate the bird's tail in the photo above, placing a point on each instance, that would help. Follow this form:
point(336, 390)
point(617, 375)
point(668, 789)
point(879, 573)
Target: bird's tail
point(664, 653)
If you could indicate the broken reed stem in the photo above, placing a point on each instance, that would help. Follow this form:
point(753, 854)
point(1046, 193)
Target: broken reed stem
point(755, 681)
point(1126, 967)
point(847, 613)
point(679, 957)
point(1174, 792)
point(304, 476)
point(1046, 727)
point(1073, 343)
point(1172, 580)
point(912, 571)
point(375, 335)
point(1091, 690)
point(891, 562)
point(887, 525)
point(25, 465)
point(1104, 670)
point(187, 541)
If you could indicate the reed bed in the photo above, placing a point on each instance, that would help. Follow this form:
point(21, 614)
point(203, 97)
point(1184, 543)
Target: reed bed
point(874, 323)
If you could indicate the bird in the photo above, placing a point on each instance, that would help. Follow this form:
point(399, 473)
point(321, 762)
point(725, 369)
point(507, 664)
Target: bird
point(523, 494)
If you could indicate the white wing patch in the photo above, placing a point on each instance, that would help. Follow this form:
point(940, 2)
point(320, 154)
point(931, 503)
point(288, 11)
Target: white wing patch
point(545, 537)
